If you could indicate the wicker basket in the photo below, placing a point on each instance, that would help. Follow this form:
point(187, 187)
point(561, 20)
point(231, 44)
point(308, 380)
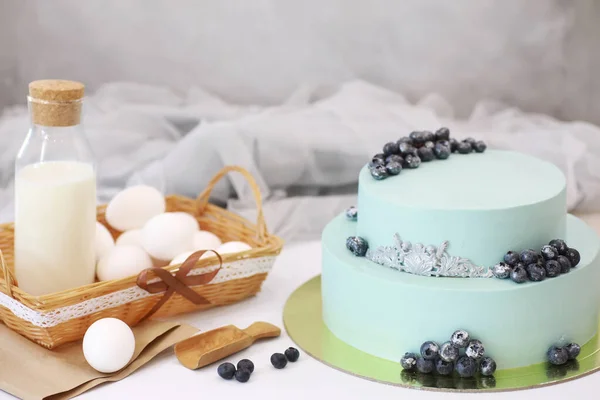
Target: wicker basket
point(58, 318)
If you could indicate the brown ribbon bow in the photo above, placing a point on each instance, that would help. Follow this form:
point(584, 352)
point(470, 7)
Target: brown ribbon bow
point(180, 282)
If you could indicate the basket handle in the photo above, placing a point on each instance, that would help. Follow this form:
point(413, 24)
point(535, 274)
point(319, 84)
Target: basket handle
point(9, 279)
point(202, 199)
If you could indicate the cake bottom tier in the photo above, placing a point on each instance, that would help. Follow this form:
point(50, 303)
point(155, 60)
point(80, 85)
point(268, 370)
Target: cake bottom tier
point(386, 313)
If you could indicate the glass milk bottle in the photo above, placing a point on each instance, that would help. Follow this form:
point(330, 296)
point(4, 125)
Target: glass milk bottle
point(55, 193)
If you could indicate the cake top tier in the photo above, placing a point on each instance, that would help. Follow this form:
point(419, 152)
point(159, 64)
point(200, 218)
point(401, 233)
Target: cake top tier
point(495, 179)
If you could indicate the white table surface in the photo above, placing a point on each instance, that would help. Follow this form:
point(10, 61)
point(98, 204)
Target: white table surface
point(165, 378)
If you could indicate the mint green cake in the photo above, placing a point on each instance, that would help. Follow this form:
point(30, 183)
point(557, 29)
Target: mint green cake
point(468, 210)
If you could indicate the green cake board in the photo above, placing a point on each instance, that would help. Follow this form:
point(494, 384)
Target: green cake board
point(303, 321)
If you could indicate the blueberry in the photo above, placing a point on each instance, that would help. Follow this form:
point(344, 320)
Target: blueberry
point(425, 154)
point(430, 350)
point(278, 360)
point(552, 268)
point(475, 350)
point(246, 364)
point(460, 338)
point(418, 138)
point(565, 264)
point(395, 158)
point(390, 148)
point(573, 256)
point(479, 146)
point(409, 361)
point(242, 375)
point(441, 151)
point(444, 367)
point(352, 213)
point(557, 355)
point(487, 366)
point(549, 252)
point(378, 159)
point(453, 145)
point(357, 245)
point(470, 140)
point(425, 366)
point(393, 168)
point(379, 172)
point(448, 352)
point(429, 145)
point(501, 270)
point(535, 273)
point(573, 349)
point(226, 370)
point(406, 149)
point(529, 257)
point(466, 367)
point(292, 354)
point(512, 258)
point(444, 143)
point(411, 162)
point(442, 134)
point(463, 148)
point(518, 274)
point(404, 139)
point(429, 136)
point(559, 245)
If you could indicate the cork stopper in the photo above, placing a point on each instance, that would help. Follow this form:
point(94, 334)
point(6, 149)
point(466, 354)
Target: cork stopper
point(55, 102)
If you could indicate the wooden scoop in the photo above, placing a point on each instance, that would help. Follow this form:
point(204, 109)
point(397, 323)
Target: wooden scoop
point(208, 347)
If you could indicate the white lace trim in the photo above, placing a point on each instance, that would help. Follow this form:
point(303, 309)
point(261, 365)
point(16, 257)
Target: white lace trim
point(230, 271)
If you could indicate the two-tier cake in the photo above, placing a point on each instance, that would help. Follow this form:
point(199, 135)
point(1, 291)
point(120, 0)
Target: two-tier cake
point(435, 233)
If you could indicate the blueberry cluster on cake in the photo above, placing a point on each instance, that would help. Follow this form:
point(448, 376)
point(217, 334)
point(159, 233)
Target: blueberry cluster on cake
point(431, 238)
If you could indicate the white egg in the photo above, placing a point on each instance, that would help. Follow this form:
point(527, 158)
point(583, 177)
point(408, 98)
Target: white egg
point(233, 247)
point(121, 262)
point(130, 238)
point(184, 256)
point(167, 235)
point(133, 207)
point(205, 240)
point(108, 345)
point(104, 241)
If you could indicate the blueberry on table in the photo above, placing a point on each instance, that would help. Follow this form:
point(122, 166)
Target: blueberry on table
point(449, 352)
point(430, 350)
point(406, 149)
point(441, 151)
point(565, 264)
point(529, 257)
point(292, 354)
point(535, 273)
point(466, 367)
point(395, 158)
point(557, 355)
point(574, 257)
point(573, 349)
point(226, 370)
point(460, 338)
point(475, 349)
point(425, 154)
point(552, 268)
point(442, 134)
point(242, 375)
point(453, 145)
point(428, 136)
point(390, 148)
point(512, 258)
point(501, 270)
point(560, 246)
point(379, 172)
point(518, 274)
point(357, 245)
point(479, 146)
point(411, 162)
point(418, 138)
point(487, 366)
point(444, 367)
point(278, 360)
point(425, 366)
point(464, 148)
point(393, 168)
point(549, 252)
point(246, 364)
point(409, 361)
